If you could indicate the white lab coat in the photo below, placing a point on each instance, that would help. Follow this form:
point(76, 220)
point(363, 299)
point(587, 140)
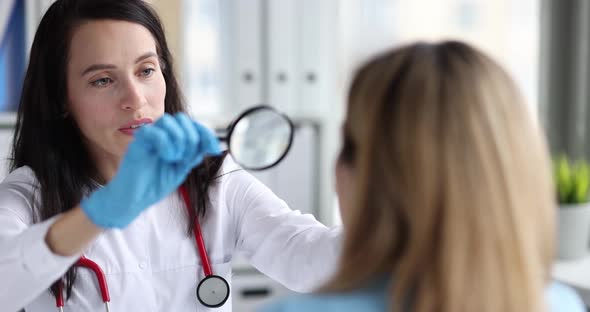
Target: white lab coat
point(152, 265)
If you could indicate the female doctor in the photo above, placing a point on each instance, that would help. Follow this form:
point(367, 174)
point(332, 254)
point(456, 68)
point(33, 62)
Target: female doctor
point(101, 147)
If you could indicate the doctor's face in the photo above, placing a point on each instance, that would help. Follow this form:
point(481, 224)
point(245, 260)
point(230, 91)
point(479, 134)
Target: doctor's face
point(115, 84)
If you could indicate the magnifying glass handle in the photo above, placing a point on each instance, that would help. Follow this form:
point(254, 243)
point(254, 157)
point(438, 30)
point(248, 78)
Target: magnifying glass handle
point(222, 138)
point(222, 134)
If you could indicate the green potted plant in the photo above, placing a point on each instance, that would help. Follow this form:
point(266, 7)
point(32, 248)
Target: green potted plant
point(572, 181)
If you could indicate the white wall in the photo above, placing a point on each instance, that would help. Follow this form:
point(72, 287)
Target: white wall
point(7, 122)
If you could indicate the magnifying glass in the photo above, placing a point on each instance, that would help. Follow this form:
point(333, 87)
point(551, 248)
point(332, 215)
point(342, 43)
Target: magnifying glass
point(259, 138)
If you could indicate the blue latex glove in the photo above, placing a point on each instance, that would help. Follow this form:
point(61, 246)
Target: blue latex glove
point(156, 163)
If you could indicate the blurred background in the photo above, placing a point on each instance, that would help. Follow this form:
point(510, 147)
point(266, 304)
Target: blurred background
point(298, 56)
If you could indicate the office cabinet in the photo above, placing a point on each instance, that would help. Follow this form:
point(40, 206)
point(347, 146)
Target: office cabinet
point(247, 77)
point(294, 179)
point(282, 53)
point(269, 52)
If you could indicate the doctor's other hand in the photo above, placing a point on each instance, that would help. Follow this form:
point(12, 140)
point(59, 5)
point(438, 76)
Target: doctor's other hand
point(156, 163)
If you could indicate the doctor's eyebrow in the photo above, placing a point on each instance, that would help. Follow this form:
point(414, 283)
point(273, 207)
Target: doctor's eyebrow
point(95, 67)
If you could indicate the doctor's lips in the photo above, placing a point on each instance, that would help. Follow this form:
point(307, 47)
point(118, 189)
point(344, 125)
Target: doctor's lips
point(131, 127)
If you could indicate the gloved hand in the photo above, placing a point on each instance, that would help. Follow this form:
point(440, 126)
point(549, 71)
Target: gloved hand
point(156, 163)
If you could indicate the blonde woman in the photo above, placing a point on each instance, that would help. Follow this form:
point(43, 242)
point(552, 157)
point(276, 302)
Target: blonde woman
point(445, 191)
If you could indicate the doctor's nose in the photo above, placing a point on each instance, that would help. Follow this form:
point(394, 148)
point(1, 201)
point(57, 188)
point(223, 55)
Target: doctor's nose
point(133, 97)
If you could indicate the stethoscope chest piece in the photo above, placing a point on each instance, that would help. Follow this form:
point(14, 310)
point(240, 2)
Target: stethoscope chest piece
point(213, 291)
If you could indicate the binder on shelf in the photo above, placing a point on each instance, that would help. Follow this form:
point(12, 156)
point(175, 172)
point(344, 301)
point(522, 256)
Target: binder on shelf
point(248, 73)
point(282, 46)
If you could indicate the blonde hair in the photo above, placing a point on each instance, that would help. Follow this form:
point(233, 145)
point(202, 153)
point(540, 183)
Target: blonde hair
point(454, 195)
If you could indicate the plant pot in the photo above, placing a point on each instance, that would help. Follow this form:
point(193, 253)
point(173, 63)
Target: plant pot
point(573, 231)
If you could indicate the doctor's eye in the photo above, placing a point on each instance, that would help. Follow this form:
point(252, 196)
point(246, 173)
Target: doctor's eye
point(147, 72)
point(102, 82)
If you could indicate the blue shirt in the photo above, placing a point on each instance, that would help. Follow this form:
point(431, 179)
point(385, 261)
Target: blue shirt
point(376, 298)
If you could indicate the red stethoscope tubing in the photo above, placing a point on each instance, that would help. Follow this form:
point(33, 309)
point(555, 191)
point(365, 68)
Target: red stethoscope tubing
point(98, 272)
point(102, 281)
point(100, 276)
point(59, 299)
point(198, 235)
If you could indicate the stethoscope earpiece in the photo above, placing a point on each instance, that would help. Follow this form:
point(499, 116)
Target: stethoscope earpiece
point(213, 291)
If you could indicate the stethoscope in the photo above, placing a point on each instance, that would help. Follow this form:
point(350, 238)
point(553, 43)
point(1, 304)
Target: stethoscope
point(212, 291)
point(252, 133)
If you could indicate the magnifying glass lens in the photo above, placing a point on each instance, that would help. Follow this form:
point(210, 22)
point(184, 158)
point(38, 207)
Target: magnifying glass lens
point(260, 139)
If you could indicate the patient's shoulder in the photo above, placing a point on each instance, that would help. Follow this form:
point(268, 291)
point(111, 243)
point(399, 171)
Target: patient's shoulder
point(563, 298)
point(367, 299)
point(327, 303)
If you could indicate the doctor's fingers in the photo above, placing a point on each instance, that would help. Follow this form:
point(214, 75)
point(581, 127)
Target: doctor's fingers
point(151, 139)
point(176, 144)
point(191, 137)
point(208, 144)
